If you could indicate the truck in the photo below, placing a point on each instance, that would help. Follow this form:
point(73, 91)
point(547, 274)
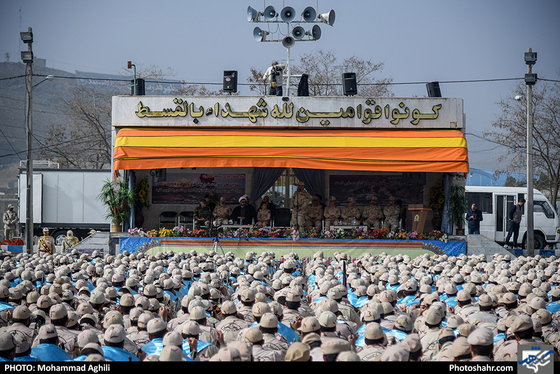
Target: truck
point(495, 204)
point(64, 199)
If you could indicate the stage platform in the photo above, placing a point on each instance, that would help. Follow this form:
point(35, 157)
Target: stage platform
point(304, 247)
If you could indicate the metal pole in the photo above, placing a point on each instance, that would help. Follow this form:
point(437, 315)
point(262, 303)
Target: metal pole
point(289, 73)
point(29, 162)
point(530, 223)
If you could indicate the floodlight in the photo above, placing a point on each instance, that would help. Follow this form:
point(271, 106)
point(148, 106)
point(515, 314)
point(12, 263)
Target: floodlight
point(27, 57)
point(26, 37)
point(530, 58)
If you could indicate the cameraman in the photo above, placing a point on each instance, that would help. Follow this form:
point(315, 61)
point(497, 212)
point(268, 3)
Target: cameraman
point(275, 74)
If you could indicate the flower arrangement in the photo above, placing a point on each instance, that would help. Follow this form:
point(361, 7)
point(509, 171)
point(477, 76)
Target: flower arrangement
point(290, 233)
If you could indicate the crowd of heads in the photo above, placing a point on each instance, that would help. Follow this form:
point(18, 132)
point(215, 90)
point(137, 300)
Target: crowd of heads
point(207, 306)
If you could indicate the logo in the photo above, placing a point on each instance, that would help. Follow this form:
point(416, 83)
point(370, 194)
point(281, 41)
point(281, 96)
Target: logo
point(535, 358)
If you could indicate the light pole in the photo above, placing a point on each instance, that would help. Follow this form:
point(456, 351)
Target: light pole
point(530, 80)
point(27, 58)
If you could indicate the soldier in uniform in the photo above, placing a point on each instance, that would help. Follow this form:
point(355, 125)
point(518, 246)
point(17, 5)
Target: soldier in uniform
point(46, 244)
point(350, 213)
point(231, 324)
point(299, 203)
point(373, 214)
point(69, 241)
point(202, 215)
point(10, 219)
point(391, 213)
point(314, 214)
point(222, 213)
point(263, 216)
point(331, 213)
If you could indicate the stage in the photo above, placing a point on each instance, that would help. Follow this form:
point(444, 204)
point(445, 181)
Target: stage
point(305, 248)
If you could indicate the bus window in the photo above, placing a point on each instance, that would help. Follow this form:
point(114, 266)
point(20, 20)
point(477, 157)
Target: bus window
point(483, 201)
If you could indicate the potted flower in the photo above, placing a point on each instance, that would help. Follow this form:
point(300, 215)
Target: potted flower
point(457, 207)
point(118, 198)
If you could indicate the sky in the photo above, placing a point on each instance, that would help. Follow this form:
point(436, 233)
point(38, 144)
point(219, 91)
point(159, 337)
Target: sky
point(418, 41)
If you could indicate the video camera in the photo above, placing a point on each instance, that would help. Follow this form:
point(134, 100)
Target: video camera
point(215, 230)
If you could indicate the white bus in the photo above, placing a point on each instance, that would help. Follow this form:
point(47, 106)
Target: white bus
point(495, 203)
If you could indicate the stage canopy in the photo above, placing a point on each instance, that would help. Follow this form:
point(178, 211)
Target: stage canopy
point(396, 150)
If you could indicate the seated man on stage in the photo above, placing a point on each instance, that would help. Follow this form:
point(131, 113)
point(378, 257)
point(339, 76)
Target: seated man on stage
point(391, 213)
point(222, 213)
point(373, 214)
point(331, 213)
point(314, 214)
point(244, 213)
point(263, 215)
point(202, 215)
point(350, 213)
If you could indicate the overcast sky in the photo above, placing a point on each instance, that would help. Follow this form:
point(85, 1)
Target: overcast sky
point(417, 40)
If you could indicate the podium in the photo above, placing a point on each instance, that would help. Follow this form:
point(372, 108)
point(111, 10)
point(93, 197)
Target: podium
point(419, 214)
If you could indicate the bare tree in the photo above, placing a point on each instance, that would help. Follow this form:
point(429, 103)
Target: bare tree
point(83, 141)
point(511, 131)
point(325, 75)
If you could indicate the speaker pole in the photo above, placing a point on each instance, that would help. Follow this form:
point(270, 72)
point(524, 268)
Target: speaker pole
point(289, 73)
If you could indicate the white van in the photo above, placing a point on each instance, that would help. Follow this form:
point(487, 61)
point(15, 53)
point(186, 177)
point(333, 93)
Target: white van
point(495, 203)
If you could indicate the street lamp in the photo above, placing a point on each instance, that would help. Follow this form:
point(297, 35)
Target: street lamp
point(27, 58)
point(530, 80)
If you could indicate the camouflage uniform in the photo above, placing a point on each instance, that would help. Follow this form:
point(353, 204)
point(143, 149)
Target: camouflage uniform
point(314, 212)
point(350, 213)
point(202, 212)
point(263, 217)
point(299, 202)
point(391, 213)
point(222, 213)
point(373, 214)
point(331, 214)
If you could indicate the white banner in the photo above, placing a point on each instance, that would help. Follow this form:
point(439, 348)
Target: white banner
point(298, 112)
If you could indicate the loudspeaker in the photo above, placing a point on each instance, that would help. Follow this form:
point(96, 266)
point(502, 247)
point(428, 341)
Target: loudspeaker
point(433, 89)
point(349, 85)
point(140, 86)
point(315, 32)
point(259, 35)
point(252, 14)
point(269, 13)
point(288, 42)
point(230, 81)
point(327, 18)
point(298, 32)
point(309, 14)
point(288, 14)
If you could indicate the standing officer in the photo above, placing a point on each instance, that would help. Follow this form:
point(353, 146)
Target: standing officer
point(46, 244)
point(10, 219)
point(299, 203)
